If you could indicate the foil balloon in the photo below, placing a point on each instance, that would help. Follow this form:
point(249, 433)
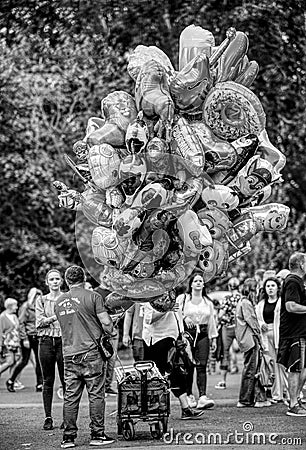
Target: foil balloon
point(93, 124)
point(189, 193)
point(157, 156)
point(247, 72)
point(127, 222)
point(211, 260)
point(271, 153)
point(229, 62)
point(103, 162)
point(190, 86)
point(165, 302)
point(270, 217)
point(219, 154)
point(194, 40)
point(153, 97)
point(232, 111)
point(132, 172)
point(80, 149)
point(107, 248)
point(218, 51)
point(215, 220)
point(186, 144)
point(193, 234)
point(222, 197)
point(118, 110)
point(253, 177)
point(90, 202)
point(117, 304)
point(143, 54)
point(137, 135)
point(114, 197)
point(238, 237)
point(152, 196)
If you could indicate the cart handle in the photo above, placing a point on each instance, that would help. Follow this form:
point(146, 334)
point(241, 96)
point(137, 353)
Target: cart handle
point(144, 366)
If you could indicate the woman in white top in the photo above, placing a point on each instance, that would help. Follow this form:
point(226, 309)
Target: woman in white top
point(198, 314)
point(268, 315)
point(9, 335)
point(160, 330)
point(50, 341)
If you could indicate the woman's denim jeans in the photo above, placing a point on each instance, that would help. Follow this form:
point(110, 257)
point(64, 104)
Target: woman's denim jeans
point(251, 390)
point(50, 354)
point(87, 369)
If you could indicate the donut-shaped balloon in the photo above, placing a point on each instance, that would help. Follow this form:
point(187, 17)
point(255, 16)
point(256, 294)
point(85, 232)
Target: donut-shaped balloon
point(232, 111)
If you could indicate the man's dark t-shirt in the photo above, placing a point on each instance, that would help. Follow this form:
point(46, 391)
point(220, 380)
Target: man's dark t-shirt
point(292, 325)
point(76, 339)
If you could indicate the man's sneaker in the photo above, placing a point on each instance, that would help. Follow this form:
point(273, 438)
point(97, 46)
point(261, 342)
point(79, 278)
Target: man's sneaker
point(192, 403)
point(296, 411)
point(220, 385)
point(244, 405)
point(204, 402)
point(102, 439)
point(111, 391)
point(301, 403)
point(48, 425)
point(189, 413)
point(68, 442)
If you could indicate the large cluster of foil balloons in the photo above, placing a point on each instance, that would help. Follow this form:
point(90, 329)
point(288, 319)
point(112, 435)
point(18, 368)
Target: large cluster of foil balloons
point(176, 176)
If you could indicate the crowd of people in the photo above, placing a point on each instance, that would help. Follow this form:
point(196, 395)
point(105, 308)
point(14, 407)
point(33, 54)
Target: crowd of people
point(264, 316)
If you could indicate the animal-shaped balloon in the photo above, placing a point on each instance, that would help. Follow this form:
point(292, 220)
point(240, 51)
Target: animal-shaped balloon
point(189, 193)
point(153, 97)
point(194, 40)
point(270, 217)
point(80, 148)
point(118, 110)
point(107, 248)
point(187, 145)
point(194, 235)
point(232, 111)
point(190, 86)
point(103, 162)
point(143, 54)
point(212, 259)
point(137, 135)
point(216, 221)
point(222, 197)
point(132, 172)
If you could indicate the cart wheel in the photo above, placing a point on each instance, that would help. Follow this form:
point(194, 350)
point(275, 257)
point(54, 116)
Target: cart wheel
point(128, 431)
point(156, 430)
point(165, 424)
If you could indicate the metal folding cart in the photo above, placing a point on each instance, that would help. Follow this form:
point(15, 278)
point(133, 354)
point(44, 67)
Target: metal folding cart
point(143, 395)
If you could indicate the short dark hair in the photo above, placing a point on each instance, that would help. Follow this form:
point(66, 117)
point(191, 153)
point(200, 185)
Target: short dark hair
point(74, 275)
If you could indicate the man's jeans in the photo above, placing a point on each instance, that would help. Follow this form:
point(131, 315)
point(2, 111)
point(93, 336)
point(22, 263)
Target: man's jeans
point(87, 370)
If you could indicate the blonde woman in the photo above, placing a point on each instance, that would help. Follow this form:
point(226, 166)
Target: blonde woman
point(50, 342)
point(9, 336)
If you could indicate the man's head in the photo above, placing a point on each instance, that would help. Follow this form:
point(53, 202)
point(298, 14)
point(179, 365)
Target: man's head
point(233, 283)
point(297, 263)
point(75, 275)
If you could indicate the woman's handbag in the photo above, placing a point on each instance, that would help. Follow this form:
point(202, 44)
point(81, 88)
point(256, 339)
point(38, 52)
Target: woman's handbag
point(266, 370)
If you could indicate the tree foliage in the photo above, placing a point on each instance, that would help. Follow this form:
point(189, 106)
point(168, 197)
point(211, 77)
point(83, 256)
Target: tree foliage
point(60, 58)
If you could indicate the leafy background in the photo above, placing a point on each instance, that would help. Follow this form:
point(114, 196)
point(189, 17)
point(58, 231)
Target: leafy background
point(60, 58)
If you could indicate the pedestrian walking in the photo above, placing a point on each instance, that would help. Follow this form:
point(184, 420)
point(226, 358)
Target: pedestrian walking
point(9, 337)
point(28, 340)
point(247, 329)
point(292, 331)
point(84, 365)
point(50, 342)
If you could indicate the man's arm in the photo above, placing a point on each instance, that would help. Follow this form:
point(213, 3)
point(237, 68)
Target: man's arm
point(106, 322)
point(128, 317)
point(296, 308)
point(250, 317)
